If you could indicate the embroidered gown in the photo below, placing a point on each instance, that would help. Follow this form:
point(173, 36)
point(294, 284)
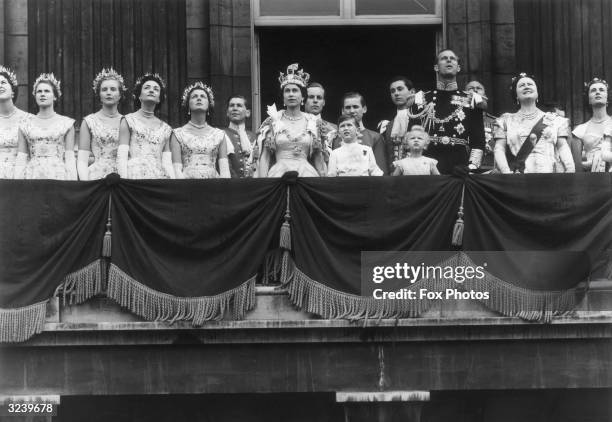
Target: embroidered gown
point(592, 136)
point(146, 148)
point(46, 146)
point(199, 152)
point(291, 151)
point(9, 140)
point(547, 156)
point(104, 144)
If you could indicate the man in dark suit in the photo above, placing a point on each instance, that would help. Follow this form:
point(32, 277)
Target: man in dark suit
point(242, 139)
point(353, 104)
point(452, 119)
point(401, 91)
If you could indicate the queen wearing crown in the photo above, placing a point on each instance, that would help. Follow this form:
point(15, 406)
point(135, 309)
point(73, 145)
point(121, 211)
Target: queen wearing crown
point(100, 131)
point(47, 137)
point(144, 147)
point(289, 140)
point(10, 120)
point(198, 148)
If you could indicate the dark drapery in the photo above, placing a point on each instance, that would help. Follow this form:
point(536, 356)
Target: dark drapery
point(335, 220)
point(51, 235)
point(191, 249)
point(201, 242)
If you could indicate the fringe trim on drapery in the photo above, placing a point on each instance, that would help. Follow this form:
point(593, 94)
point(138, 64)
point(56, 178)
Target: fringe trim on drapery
point(83, 284)
point(511, 300)
point(19, 324)
point(157, 306)
point(505, 298)
point(314, 297)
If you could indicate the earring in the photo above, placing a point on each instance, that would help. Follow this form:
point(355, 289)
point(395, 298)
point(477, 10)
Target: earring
point(189, 112)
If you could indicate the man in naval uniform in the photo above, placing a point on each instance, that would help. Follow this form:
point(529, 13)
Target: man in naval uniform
point(401, 91)
point(242, 139)
point(315, 102)
point(353, 104)
point(451, 118)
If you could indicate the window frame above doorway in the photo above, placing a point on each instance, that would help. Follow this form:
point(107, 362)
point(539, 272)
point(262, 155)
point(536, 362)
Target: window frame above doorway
point(347, 16)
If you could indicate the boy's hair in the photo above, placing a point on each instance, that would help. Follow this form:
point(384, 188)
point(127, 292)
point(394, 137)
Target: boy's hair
point(344, 118)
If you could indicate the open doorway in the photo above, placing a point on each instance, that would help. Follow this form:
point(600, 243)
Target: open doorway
point(349, 58)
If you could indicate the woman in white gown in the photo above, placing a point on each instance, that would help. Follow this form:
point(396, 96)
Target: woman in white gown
point(289, 140)
point(144, 139)
point(47, 138)
point(530, 140)
point(10, 119)
point(590, 134)
point(198, 148)
point(100, 131)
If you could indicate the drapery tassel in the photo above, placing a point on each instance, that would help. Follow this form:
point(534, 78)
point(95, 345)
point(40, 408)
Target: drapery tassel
point(285, 244)
point(285, 230)
point(457, 239)
point(107, 242)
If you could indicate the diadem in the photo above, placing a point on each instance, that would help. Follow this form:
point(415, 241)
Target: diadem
point(595, 81)
point(294, 76)
point(106, 74)
point(151, 77)
point(198, 85)
point(11, 75)
point(50, 79)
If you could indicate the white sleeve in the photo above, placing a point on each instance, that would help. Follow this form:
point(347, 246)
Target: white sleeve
point(178, 170)
point(83, 164)
point(167, 164)
point(70, 164)
point(224, 170)
point(122, 160)
point(20, 165)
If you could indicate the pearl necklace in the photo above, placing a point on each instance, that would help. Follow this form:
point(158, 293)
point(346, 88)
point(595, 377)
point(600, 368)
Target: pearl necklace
point(291, 118)
point(8, 116)
point(147, 114)
point(197, 126)
point(528, 116)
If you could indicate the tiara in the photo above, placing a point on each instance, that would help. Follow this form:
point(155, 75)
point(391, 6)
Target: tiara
point(294, 76)
point(49, 78)
point(11, 75)
point(108, 74)
point(198, 85)
point(151, 76)
point(517, 77)
point(595, 81)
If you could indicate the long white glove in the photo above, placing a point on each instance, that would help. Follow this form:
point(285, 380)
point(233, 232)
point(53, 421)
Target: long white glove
point(167, 164)
point(83, 164)
point(20, 165)
point(70, 164)
point(178, 170)
point(565, 154)
point(122, 160)
point(224, 171)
